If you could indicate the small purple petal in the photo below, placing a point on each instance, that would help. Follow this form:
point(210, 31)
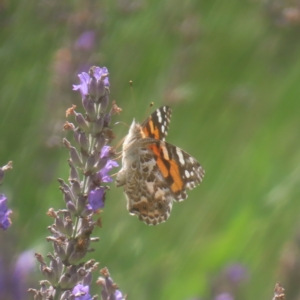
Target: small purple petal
point(111, 164)
point(86, 41)
point(236, 273)
point(4, 213)
point(224, 296)
point(118, 295)
point(96, 199)
point(83, 86)
point(103, 173)
point(101, 72)
point(104, 151)
point(79, 288)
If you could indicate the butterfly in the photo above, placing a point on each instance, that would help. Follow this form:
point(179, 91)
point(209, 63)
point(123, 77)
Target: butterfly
point(155, 173)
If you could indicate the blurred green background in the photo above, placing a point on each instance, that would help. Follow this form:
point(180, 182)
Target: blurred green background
point(230, 70)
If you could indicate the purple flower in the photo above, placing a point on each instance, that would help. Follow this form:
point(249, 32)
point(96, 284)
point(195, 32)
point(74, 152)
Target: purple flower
point(103, 173)
point(22, 273)
point(96, 199)
point(109, 290)
point(86, 79)
point(117, 295)
point(224, 296)
point(4, 213)
point(83, 86)
point(86, 41)
point(236, 273)
point(78, 289)
point(105, 151)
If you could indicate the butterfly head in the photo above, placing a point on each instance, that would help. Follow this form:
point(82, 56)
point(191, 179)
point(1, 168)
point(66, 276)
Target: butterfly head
point(133, 135)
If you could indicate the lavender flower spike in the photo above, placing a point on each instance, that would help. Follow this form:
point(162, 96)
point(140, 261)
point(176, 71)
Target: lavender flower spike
point(67, 276)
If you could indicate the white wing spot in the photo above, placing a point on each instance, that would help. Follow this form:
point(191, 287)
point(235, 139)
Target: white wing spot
point(159, 116)
point(187, 174)
point(192, 173)
point(180, 156)
point(159, 194)
point(144, 199)
point(164, 109)
point(150, 187)
point(165, 152)
point(162, 128)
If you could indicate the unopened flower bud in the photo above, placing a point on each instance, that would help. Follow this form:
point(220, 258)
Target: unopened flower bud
point(81, 203)
point(85, 101)
point(73, 171)
point(100, 142)
point(87, 279)
point(81, 272)
point(83, 142)
point(104, 101)
point(86, 211)
point(68, 226)
point(89, 167)
point(75, 187)
point(73, 153)
point(77, 249)
point(100, 89)
point(92, 85)
point(98, 125)
point(56, 265)
point(71, 208)
point(60, 224)
point(107, 120)
point(67, 295)
point(64, 281)
point(49, 274)
point(60, 250)
point(82, 123)
point(8, 166)
point(90, 109)
point(68, 194)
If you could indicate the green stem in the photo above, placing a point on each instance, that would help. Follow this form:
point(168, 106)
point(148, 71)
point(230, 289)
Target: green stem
point(57, 293)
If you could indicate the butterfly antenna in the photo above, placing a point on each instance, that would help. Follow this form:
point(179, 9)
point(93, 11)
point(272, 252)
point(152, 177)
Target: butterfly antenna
point(132, 95)
point(149, 108)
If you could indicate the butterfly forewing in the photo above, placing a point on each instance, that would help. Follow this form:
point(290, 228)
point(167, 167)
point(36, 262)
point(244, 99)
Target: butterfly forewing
point(157, 124)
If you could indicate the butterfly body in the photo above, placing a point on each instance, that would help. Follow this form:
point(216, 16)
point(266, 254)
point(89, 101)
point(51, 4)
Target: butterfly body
point(155, 173)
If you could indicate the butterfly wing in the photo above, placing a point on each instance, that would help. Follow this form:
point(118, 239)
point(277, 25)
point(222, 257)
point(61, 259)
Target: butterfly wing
point(161, 175)
point(179, 169)
point(147, 192)
point(157, 124)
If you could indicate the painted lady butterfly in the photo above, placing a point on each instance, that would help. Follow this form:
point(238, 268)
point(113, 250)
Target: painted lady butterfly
point(155, 173)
